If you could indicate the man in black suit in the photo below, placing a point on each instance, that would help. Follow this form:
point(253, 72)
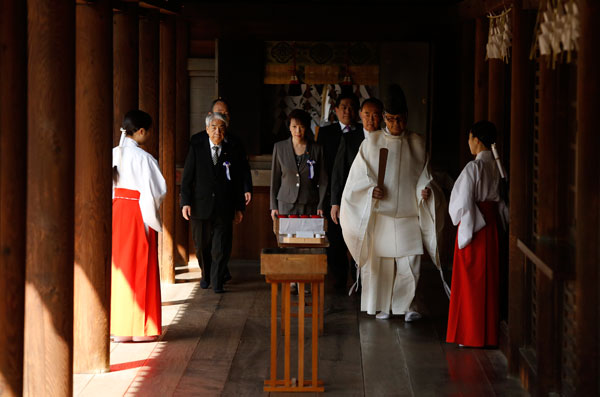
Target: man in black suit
point(346, 108)
point(220, 105)
point(212, 197)
point(370, 113)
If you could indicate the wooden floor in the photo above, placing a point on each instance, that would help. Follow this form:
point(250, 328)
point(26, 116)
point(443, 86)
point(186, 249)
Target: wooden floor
point(218, 344)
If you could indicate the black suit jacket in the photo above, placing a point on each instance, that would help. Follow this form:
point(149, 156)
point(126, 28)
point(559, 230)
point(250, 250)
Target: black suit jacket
point(206, 188)
point(329, 137)
point(239, 146)
point(347, 151)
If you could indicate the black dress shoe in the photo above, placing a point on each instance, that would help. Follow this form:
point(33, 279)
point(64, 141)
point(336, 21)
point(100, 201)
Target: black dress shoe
point(204, 284)
point(219, 290)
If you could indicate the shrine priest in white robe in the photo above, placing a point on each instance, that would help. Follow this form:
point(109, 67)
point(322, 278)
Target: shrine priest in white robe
point(386, 228)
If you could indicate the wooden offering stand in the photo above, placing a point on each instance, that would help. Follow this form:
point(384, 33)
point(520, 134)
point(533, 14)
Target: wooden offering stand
point(282, 266)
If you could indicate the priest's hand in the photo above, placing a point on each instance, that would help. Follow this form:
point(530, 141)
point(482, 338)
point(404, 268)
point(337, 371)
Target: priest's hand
point(320, 212)
point(378, 193)
point(187, 212)
point(274, 214)
point(335, 213)
point(239, 215)
point(248, 197)
point(426, 193)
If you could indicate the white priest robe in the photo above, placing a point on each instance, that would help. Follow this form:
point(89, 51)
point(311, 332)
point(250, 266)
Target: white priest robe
point(377, 232)
point(477, 182)
point(138, 170)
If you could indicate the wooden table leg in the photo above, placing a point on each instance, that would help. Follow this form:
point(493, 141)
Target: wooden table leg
point(282, 307)
point(287, 310)
point(315, 336)
point(321, 305)
point(301, 287)
point(273, 333)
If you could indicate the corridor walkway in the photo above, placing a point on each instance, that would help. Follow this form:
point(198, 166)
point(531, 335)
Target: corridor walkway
point(218, 344)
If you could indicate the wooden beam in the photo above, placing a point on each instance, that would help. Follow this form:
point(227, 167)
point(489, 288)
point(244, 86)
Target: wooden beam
point(167, 145)
point(93, 183)
point(587, 199)
point(481, 71)
point(48, 363)
point(479, 8)
point(13, 163)
point(182, 134)
point(125, 66)
point(521, 131)
point(148, 75)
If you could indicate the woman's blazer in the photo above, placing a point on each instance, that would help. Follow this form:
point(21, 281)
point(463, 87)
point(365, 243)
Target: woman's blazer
point(292, 184)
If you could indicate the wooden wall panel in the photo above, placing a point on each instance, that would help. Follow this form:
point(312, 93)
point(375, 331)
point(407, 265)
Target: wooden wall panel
point(256, 230)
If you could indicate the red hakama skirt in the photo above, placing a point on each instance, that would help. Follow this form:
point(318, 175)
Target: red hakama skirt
point(135, 304)
point(474, 310)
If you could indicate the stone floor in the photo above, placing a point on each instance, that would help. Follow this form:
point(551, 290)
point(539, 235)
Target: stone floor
point(218, 344)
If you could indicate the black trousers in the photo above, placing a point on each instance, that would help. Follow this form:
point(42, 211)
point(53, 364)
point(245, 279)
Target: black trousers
point(337, 259)
point(212, 239)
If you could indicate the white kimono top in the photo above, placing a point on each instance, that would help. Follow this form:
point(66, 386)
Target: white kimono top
point(477, 182)
point(138, 170)
point(401, 223)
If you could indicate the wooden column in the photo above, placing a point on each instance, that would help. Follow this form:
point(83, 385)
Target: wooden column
point(587, 199)
point(496, 97)
point(182, 135)
point(481, 70)
point(167, 145)
point(467, 47)
point(125, 66)
point(148, 75)
point(13, 163)
point(549, 151)
point(93, 183)
point(48, 363)
point(521, 131)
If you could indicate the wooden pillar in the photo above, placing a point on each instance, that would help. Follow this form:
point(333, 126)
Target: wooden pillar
point(521, 132)
point(182, 135)
point(467, 64)
point(548, 153)
point(148, 75)
point(48, 362)
point(93, 183)
point(481, 70)
point(496, 97)
point(125, 65)
point(548, 221)
point(587, 200)
point(13, 162)
point(167, 145)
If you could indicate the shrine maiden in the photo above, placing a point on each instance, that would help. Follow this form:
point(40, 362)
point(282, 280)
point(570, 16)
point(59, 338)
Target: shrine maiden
point(474, 207)
point(386, 229)
point(138, 190)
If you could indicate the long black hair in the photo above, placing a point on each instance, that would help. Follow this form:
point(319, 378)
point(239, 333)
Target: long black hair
point(133, 121)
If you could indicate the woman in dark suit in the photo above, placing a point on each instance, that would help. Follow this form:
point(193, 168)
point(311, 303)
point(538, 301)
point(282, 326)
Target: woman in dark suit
point(298, 176)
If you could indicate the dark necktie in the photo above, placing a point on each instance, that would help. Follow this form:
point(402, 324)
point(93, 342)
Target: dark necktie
point(215, 155)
